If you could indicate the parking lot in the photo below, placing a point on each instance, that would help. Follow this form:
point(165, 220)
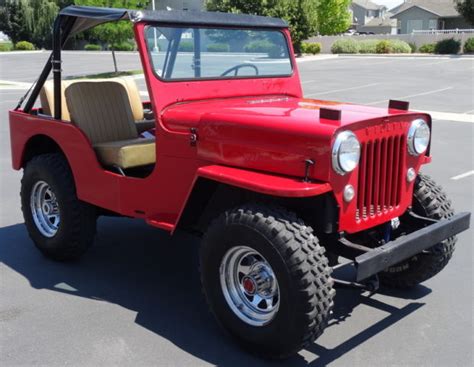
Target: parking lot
point(135, 299)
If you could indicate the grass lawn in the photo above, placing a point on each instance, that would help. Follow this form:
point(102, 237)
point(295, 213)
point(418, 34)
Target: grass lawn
point(107, 75)
point(6, 46)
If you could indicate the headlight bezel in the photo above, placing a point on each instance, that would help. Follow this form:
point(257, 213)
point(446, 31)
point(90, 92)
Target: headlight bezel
point(415, 126)
point(342, 138)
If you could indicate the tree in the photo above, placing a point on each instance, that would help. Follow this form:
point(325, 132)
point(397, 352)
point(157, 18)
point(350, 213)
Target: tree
point(302, 18)
point(25, 20)
point(301, 15)
point(466, 9)
point(334, 16)
point(116, 33)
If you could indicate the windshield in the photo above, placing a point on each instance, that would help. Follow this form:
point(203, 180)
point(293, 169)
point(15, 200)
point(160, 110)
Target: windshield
point(217, 53)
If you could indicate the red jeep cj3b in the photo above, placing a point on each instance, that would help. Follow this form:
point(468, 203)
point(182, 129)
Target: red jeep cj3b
point(280, 187)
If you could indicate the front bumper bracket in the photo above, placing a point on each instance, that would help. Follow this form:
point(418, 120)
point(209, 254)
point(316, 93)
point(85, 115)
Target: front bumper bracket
point(402, 248)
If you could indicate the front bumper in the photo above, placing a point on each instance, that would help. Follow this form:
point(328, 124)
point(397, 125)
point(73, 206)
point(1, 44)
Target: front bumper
point(402, 248)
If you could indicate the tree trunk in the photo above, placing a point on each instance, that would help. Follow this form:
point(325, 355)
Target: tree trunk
point(115, 61)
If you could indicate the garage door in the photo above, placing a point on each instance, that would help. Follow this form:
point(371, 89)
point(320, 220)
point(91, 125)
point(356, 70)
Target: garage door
point(414, 25)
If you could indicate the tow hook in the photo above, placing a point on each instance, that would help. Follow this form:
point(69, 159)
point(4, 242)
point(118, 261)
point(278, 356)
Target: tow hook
point(370, 284)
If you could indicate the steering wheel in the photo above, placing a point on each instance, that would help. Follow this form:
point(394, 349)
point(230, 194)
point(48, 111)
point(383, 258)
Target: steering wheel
point(236, 69)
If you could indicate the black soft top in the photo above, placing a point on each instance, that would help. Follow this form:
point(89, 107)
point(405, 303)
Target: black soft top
point(88, 17)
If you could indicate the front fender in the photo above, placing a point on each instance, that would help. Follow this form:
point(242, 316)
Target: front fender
point(258, 182)
point(263, 183)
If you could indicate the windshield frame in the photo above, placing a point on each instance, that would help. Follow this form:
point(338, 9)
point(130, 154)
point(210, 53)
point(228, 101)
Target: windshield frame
point(216, 78)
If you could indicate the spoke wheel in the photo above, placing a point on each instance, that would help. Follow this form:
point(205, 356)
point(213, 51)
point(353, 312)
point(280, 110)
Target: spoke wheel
point(249, 285)
point(45, 209)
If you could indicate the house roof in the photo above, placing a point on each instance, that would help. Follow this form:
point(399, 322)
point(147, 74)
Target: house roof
point(381, 22)
point(441, 8)
point(367, 4)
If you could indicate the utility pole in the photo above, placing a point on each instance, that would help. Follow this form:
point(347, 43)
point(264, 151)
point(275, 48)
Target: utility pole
point(155, 48)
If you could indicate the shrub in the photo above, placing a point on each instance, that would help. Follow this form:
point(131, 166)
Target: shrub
point(368, 46)
point(400, 47)
point(218, 47)
point(311, 48)
point(427, 48)
point(5, 47)
point(383, 47)
point(92, 47)
point(413, 47)
point(469, 45)
point(345, 46)
point(124, 46)
point(393, 46)
point(186, 46)
point(263, 46)
point(448, 46)
point(24, 46)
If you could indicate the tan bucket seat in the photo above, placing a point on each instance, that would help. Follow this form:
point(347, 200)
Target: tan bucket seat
point(47, 96)
point(101, 109)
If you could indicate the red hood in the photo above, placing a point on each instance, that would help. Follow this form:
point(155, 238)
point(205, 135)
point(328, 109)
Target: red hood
point(272, 133)
point(278, 111)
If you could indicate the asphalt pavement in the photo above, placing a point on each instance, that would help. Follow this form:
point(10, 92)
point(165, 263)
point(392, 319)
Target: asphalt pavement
point(134, 299)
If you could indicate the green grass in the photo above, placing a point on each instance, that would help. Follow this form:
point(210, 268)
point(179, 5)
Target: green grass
point(107, 75)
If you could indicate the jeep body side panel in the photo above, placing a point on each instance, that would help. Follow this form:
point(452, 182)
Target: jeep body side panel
point(93, 183)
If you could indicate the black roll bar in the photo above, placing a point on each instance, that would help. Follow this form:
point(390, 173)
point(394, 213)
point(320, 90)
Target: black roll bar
point(54, 63)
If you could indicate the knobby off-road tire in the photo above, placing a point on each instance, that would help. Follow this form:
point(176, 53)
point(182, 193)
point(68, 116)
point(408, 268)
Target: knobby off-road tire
point(305, 286)
point(77, 224)
point(429, 200)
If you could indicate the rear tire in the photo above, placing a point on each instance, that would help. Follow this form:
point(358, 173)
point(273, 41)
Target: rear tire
point(61, 226)
point(429, 200)
point(284, 247)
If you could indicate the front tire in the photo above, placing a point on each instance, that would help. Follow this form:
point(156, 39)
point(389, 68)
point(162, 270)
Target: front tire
point(61, 226)
point(266, 279)
point(429, 200)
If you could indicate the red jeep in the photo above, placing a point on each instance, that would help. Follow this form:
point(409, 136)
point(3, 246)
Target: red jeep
point(280, 187)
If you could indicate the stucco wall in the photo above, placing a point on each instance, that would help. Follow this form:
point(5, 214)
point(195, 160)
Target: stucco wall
point(418, 39)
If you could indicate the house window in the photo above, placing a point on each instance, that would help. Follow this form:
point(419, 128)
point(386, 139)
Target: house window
point(433, 24)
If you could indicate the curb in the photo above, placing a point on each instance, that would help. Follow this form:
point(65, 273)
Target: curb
point(417, 55)
point(21, 52)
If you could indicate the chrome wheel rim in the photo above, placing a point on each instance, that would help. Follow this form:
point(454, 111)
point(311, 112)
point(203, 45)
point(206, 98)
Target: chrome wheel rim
point(45, 209)
point(249, 285)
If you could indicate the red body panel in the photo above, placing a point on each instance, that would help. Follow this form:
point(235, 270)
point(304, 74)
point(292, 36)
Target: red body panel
point(252, 133)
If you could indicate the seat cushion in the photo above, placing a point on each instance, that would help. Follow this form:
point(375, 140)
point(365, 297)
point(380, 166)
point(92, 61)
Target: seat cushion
point(101, 110)
point(47, 96)
point(127, 153)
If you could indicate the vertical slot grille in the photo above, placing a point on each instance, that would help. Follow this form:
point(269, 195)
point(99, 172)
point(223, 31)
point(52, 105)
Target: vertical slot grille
point(379, 176)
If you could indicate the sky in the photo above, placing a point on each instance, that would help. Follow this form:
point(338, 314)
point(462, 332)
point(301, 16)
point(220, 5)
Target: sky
point(388, 3)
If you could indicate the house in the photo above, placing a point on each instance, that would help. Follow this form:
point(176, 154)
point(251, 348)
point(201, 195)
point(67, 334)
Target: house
point(428, 15)
point(178, 4)
point(369, 17)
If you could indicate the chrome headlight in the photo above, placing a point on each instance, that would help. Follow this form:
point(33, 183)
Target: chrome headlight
point(418, 137)
point(345, 152)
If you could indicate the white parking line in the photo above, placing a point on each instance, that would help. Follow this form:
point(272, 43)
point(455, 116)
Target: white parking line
point(462, 175)
point(412, 95)
point(450, 116)
point(341, 90)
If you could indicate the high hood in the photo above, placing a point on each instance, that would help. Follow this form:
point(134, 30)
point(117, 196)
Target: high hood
point(276, 133)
